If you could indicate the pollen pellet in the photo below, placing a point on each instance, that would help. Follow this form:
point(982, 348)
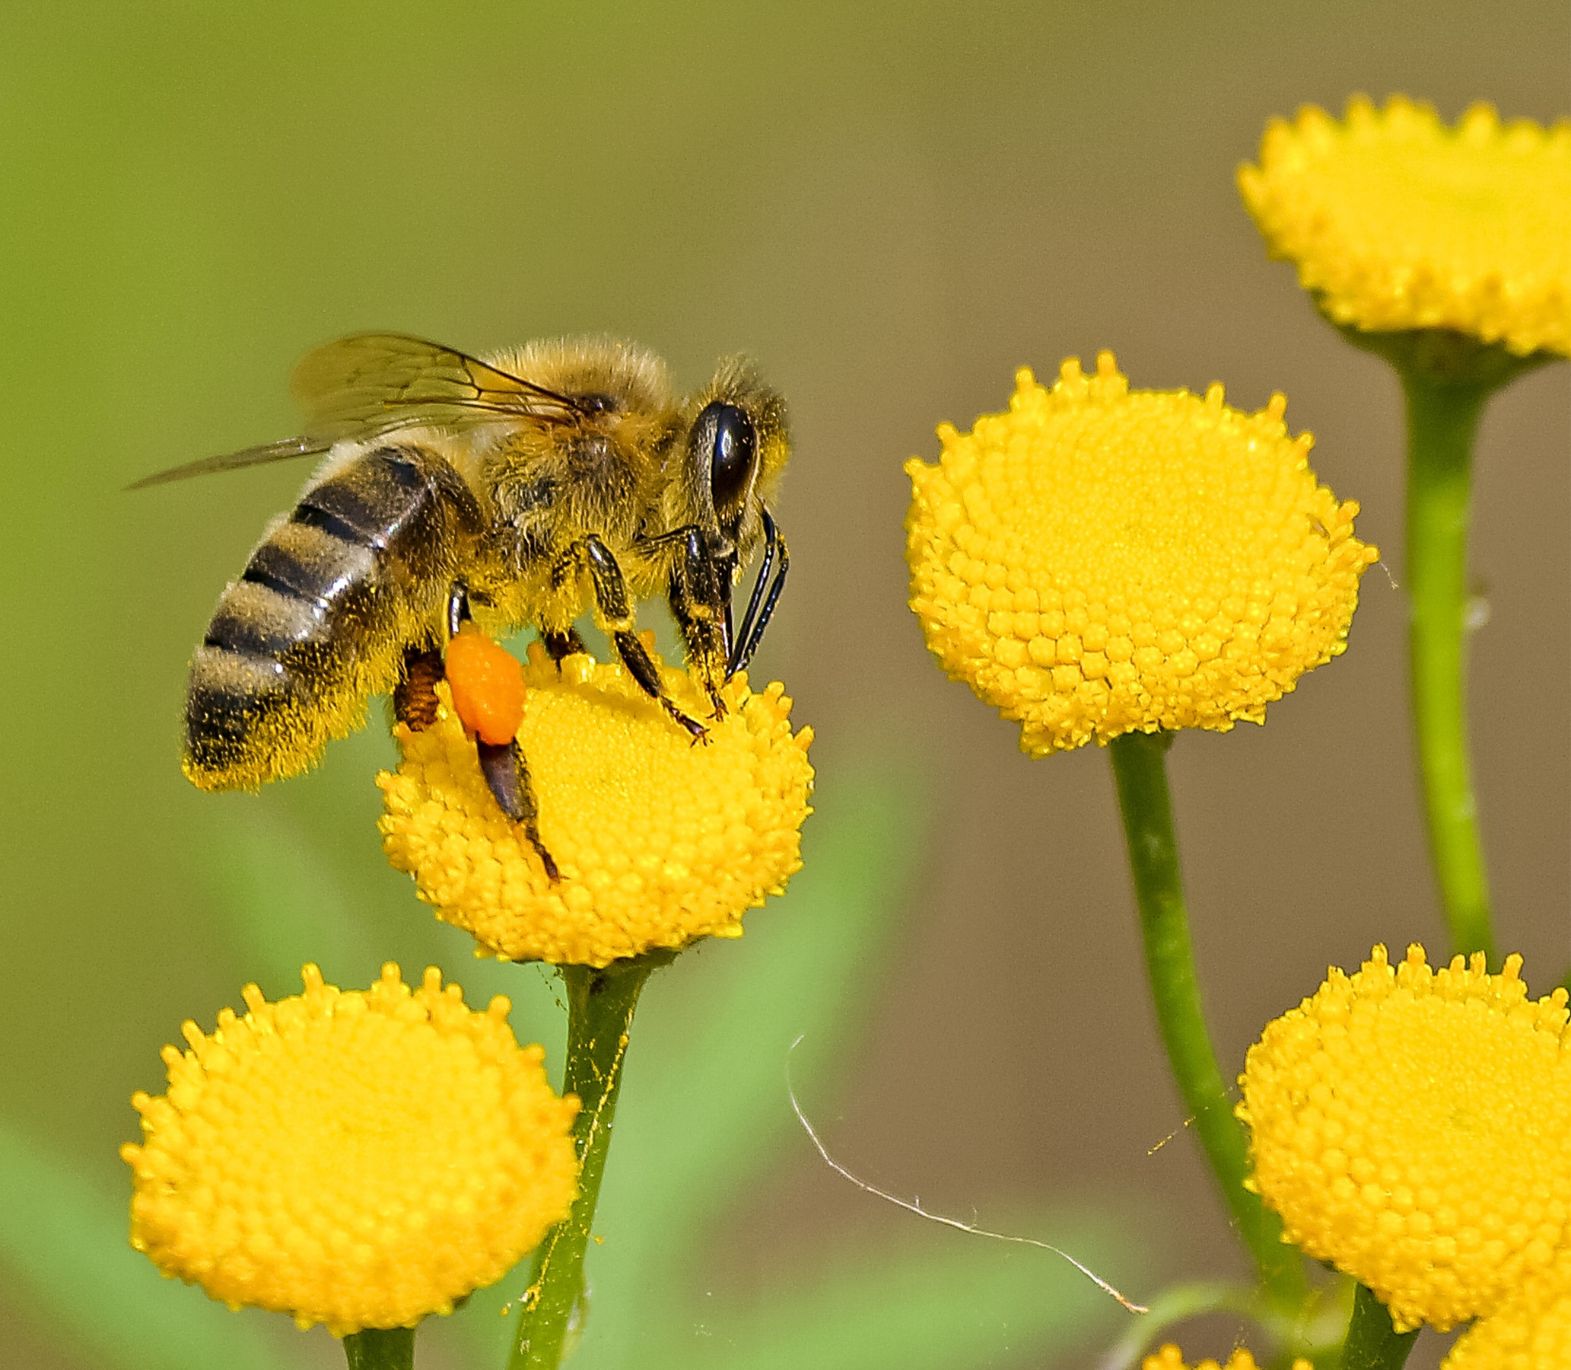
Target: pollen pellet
point(487, 684)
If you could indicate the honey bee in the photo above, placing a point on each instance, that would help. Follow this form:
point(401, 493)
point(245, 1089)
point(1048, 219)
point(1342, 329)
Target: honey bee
point(520, 489)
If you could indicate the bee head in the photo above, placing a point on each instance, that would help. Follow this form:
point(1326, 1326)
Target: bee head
point(737, 446)
point(736, 449)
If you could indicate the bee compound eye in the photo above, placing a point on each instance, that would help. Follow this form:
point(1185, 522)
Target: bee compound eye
point(732, 451)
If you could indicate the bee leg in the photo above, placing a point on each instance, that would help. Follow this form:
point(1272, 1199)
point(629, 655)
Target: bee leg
point(457, 607)
point(615, 612)
point(502, 764)
point(638, 662)
point(561, 645)
point(507, 777)
point(700, 601)
point(414, 697)
point(761, 608)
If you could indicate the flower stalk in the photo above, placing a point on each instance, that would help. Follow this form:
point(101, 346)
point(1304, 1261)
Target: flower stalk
point(380, 1348)
point(600, 1005)
point(1140, 771)
point(1442, 421)
point(1447, 378)
point(1372, 1342)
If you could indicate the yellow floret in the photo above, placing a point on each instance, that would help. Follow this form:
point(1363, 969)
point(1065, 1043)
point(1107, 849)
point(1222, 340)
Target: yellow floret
point(354, 1158)
point(1413, 1127)
point(1098, 560)
point(1530, 1331)
point(1171, 1358)
point(660, 841)
point(1396, 221)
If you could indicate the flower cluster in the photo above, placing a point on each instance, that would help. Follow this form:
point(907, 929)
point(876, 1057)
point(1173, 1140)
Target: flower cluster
point(354, 1158)
point(1094, 561)
point(1170, 1357)
point(1396, 221)
point(659, 841)
point(1100, 560)
point(1412, 1125)
point(1529, 1331)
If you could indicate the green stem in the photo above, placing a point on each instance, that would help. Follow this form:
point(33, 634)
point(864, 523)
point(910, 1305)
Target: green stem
point(1372, 1343)
point(600, 1006)
point(1442, 421)
point(1140, 770)
point(380, 1348)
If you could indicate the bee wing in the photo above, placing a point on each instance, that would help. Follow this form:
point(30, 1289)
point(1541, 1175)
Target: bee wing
point(282, 450)
point(371, 384)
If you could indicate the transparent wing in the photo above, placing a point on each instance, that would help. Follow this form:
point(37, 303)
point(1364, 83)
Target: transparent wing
point(371, 384)
point(282, 450)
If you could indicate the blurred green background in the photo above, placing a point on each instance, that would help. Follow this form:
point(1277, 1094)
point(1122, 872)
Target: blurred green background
point(891, 206)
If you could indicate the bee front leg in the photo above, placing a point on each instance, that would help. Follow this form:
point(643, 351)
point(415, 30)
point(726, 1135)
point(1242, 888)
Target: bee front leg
point(761, 606)
point(700, 602)
point(507, 777)
point(615, 612)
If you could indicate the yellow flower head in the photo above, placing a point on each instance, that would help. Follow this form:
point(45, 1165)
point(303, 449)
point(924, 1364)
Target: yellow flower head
point(1171, 1358)
point(1396, 221)
point(354, 1158)
point(1098, 560)
point(659, 841)
point(1412, 1126)
point(1530, 1331)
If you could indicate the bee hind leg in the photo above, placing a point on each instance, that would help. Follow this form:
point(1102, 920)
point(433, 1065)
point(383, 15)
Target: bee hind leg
point(507, 777)
point(414, 697)
point(561, 645)
point(502, 765)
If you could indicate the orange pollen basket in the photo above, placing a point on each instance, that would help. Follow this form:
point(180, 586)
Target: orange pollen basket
point(487, 684)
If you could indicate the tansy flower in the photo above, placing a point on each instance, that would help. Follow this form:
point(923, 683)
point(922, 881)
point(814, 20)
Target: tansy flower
point(659, 841)
point(1171, 1358)
point(1396, 221)
point(1530, 1331)
point(1413, 1127)
point(354, 1158)
point(1098, 560)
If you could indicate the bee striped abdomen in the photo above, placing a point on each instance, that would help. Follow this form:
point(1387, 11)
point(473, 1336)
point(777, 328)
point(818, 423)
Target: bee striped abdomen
point(318, 620)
